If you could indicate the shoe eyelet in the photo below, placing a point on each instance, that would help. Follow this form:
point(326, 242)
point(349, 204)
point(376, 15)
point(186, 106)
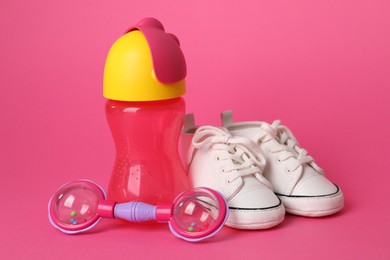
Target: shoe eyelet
point(288, 170)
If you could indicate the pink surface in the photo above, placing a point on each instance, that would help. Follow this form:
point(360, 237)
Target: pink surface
point(320, 66)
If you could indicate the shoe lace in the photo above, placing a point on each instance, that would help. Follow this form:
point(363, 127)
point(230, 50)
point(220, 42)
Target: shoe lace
point(288, 146)
point(244, 161)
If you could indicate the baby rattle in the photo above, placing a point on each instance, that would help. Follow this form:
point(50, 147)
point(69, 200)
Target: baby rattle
point(196, 214)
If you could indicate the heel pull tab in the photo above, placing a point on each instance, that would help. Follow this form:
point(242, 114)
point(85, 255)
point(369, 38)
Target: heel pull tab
point(226, 118)
point(189, 123)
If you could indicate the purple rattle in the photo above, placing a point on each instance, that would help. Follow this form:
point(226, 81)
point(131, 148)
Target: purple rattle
point(194, 215)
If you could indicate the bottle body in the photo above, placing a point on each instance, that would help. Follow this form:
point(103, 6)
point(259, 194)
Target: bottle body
point(147, 165)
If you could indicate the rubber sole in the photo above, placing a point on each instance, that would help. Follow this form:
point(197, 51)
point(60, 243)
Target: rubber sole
point(313, 206)
point(256, 218)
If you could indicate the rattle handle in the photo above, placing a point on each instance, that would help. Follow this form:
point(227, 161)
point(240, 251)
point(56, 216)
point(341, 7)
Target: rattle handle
point(135, 211)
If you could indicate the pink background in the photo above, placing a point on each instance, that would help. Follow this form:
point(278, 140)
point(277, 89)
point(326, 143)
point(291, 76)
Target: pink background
point(322, 67)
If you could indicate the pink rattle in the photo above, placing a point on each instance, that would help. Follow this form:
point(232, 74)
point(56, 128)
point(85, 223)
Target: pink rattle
point(194, 215)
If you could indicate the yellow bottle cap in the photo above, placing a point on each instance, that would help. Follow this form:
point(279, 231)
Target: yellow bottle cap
point(145, 64)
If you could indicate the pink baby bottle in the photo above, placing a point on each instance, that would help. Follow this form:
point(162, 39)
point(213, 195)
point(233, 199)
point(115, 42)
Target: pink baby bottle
point(144, 79)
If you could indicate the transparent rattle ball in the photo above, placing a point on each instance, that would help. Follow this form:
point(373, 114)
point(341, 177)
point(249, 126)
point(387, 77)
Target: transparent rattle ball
point(73, 208)
point(198, 213)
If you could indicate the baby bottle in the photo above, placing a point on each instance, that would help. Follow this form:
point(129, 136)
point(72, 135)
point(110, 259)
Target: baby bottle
point(144, 79)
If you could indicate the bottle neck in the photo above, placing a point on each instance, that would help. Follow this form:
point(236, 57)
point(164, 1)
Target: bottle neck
point(150, 102)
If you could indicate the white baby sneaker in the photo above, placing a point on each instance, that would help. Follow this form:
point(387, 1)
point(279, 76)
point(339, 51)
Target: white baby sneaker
point(226, 163)
point(295, 177)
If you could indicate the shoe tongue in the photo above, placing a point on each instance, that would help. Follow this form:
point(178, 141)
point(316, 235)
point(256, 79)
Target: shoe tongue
point(254, 131)
point(267, 128)
point(248, 132)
